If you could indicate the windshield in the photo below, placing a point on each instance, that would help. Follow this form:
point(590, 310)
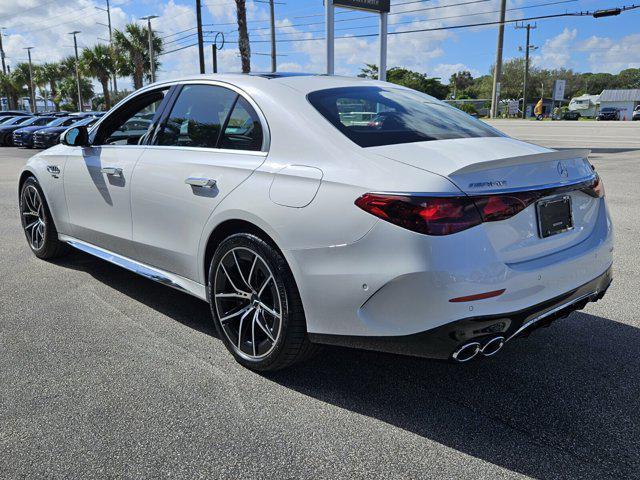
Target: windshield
point(374, 116)
point(17, 120)
point(62, 121)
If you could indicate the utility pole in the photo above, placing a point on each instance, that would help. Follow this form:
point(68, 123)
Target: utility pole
point(382, 67)
point(108, 10)
point(497, 73)
point(527, 50)
point(273, 37)
point(32, 95)
point(4, 67)
point(200, 41)
point(148, 18)
point(75, 46)
point(329, 35)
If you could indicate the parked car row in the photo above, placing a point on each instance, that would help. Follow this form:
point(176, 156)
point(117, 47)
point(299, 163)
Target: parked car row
point(42, 130)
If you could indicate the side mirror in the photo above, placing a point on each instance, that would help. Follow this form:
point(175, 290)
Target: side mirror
point(75, 137)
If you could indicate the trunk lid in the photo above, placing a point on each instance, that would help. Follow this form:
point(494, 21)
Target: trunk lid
point(498, 165)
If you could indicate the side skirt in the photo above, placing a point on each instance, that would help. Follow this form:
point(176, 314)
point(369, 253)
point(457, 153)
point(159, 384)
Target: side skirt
point(170, 279)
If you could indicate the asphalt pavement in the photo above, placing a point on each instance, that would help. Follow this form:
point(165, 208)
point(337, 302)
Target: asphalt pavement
point(104, 374)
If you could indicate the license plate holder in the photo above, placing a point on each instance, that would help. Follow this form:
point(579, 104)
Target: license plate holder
point(554, 216)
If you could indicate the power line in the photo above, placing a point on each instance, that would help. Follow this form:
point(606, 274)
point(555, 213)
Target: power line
point(448, 17)
point(452, 27)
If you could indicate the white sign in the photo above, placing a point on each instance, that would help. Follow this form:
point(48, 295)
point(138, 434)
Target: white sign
point(558, 89)
point(513, 107)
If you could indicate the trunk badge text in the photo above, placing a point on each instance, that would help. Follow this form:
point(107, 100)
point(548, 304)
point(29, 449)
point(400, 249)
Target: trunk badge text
point(492, 183)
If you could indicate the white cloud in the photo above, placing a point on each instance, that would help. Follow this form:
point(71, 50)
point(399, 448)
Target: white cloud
point(607, 55)
point(445, 70)
point(557, 52)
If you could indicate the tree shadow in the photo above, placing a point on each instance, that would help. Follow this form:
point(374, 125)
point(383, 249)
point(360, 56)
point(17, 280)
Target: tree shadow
point(564, 402)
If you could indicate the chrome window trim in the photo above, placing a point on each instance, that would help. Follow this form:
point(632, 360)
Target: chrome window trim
point(257, 153)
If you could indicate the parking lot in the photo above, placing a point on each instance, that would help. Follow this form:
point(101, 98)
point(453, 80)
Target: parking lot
point(106, 374)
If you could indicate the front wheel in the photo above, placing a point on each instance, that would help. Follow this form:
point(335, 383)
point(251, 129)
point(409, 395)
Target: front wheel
point(37, 222)
point(255, 304)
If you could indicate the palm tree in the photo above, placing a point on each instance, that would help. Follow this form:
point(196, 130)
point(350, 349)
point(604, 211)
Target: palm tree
point(68, 90)
point(243, 36)
point(97, 62)
point(51, 73)
point(133, 47)
point(20, 75)
point(11, 88)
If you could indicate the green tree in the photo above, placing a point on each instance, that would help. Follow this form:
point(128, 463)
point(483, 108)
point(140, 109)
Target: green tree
point(132, 45)
point(69, 91)
point(460, 81)
point(49, 74)
point(98, 63)
point(408, 78)
point(12, 88)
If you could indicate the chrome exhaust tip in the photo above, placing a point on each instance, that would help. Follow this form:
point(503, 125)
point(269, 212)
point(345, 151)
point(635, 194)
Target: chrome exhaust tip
point(466, 352)
point(493, 346)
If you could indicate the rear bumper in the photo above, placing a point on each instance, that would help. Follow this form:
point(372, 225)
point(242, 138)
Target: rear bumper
point(441, 342)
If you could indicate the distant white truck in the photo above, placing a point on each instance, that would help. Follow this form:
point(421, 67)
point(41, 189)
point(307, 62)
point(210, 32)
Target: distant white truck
point(585, 105)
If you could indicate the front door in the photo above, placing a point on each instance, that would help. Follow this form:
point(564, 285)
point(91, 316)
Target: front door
point(97, 179)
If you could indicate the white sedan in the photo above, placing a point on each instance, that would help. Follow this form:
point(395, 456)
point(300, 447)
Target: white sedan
point(312, 209)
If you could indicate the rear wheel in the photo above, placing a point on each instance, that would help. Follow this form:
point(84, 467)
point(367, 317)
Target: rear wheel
point(256, 305)
point(37, 222)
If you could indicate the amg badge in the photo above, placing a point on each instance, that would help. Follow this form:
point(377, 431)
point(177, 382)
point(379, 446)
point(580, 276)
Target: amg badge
point(492, 183)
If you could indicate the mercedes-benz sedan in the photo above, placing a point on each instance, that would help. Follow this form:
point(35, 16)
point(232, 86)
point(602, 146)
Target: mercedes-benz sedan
point(325, 210)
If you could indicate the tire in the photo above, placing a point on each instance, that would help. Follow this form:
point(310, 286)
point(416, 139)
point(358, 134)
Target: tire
point(256, 306)
point(37, 222)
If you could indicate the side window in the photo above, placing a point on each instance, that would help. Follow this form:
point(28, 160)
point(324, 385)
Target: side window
point(197, 116)
point(243, 130)
point(130, 124)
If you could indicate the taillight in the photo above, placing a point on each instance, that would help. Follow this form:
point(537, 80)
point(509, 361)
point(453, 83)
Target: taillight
point(500, 207)
point(428, 215)
point(596, 189)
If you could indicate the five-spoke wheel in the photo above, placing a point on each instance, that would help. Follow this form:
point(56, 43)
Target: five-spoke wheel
point(37, 222)
point(256, 305)
point(33, 219)
point(247, 302)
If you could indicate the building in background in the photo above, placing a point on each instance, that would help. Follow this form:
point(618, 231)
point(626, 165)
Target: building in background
point(625, 101)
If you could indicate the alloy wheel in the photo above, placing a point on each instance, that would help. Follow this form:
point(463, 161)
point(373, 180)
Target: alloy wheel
point(33, 218)
point(247, 303)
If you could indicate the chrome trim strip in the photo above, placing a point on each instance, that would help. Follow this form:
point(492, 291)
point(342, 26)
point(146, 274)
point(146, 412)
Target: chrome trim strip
point(550, 312)
point(548, 186)
point(152, 273)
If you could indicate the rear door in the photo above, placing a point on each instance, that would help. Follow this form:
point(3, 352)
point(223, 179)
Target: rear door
point(210, 140)
point(97, 179)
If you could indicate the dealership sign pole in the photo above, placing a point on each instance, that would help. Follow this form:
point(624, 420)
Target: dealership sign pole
point(380, 6)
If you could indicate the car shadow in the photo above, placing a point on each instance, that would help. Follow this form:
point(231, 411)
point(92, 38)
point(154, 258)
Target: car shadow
point(564, 402)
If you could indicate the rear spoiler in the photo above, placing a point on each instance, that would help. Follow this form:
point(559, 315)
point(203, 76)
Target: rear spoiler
point(557, 155)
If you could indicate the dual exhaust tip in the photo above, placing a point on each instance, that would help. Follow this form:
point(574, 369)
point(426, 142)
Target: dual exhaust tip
point(470, 350)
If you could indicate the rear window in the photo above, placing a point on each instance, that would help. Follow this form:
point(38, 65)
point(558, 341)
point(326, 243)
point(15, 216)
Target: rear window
point(374, 116)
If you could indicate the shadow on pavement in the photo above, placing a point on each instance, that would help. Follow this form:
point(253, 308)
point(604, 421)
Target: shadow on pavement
point(564, 402)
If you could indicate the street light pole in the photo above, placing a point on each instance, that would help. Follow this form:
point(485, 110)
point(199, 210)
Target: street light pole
point(108, 10)
point(497, 73)
point(34, 108)
point(75, 46)
point(148, 18)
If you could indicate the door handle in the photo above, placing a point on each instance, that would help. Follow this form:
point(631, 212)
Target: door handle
point(112, 171)
point(201, 182)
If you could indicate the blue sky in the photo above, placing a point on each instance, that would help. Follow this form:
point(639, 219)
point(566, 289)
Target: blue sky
point(581, 43)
